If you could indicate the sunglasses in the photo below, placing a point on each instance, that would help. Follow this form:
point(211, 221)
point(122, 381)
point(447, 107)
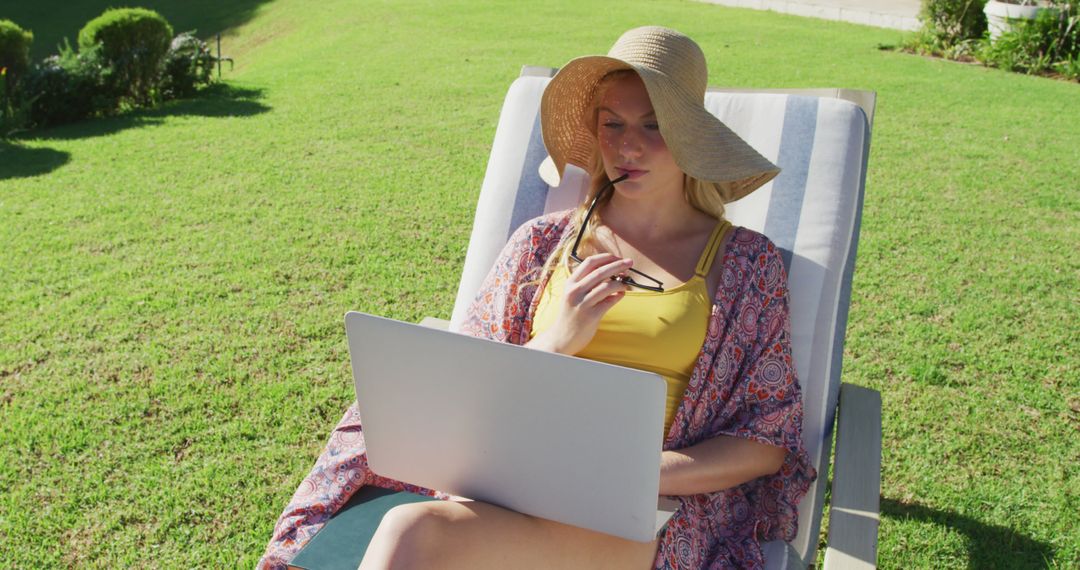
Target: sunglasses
point(659, 287)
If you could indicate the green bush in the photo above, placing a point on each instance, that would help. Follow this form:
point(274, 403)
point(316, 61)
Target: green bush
point(1070, 68)
point(134, 41)
point(1049, 43)
point(949, 23)
point(14, 55)
point(188, 65)
point(70, 87)
point(126, 58)
point(14, 115)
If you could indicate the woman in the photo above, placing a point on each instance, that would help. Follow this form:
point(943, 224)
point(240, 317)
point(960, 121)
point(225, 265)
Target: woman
point(646, 273)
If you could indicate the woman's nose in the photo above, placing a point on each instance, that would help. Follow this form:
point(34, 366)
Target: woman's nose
point(631, 144)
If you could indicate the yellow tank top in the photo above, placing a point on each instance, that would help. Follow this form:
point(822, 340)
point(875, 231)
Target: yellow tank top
point(658, 332)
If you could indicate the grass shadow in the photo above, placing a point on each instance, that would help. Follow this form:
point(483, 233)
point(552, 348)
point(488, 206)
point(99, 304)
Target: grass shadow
point(990, 546)
point(17, 161)
point(54, 20)
point(217, 100)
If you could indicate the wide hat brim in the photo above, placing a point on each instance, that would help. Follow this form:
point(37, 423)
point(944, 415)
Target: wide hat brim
point(702, 145)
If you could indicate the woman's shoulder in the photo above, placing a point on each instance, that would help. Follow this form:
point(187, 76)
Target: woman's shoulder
point(751, 244)
point(753, 257)
point(545, 227)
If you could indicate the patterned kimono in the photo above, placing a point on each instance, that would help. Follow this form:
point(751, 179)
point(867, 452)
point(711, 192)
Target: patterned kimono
point(743, 385)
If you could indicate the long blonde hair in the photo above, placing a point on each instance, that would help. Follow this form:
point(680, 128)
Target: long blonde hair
point(703, 196)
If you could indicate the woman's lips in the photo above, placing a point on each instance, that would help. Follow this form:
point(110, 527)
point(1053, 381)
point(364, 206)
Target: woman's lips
point(632, 173)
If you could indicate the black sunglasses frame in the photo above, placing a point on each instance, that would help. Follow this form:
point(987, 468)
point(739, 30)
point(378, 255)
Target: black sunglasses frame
point(658, 288)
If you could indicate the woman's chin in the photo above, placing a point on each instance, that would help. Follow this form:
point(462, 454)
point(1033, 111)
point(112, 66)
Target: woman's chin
point(632, 189)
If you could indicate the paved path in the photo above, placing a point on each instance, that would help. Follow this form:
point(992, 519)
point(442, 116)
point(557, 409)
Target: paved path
point(898, 14)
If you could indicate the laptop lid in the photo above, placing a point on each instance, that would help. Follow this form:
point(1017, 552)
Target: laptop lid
point(558, 437)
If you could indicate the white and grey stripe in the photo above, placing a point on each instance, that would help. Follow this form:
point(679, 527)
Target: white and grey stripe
point(811, 211)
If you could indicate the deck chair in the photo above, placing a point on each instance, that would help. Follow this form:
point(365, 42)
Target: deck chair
point(821, 140)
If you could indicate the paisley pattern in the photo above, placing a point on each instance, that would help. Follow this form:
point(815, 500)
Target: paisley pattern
point(744, 385)
point(338, 473)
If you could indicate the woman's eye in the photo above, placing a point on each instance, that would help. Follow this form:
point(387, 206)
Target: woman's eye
point(611, 125)
point(652, 126)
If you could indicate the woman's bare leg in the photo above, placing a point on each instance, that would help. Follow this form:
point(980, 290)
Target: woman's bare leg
point(476, 535)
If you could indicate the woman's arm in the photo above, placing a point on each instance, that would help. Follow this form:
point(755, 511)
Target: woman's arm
point(716, 464)
point(758, 422)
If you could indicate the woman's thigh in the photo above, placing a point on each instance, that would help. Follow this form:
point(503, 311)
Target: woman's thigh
point(476, 535)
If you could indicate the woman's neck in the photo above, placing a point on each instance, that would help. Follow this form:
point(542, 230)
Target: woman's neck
point(655, 217)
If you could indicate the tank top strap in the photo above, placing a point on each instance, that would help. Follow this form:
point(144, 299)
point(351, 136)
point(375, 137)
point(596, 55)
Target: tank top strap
point(711, 248)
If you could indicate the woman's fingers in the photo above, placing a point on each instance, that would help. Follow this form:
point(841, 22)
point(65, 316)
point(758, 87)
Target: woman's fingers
point(591, 263)
point(608, 303)
point(590, 291)
point(589, 277)
point(603, 292)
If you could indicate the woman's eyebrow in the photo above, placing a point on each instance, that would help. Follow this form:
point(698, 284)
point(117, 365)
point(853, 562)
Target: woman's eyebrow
point(645, 116)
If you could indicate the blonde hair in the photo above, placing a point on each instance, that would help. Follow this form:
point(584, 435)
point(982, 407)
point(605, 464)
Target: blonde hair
point(702, 195)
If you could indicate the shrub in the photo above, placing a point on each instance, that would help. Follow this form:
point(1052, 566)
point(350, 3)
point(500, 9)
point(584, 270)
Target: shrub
point(948, 23)
point(14, 113)
point(134, 41)
point(1051, 42)
point(70, 87)
point(188, 65)
point(1069, 68)
point(14, 55)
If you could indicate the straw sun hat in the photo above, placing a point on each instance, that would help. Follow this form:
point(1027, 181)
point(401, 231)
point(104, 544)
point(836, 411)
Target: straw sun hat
point(672, 67)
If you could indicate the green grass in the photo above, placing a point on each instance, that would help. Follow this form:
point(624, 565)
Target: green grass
point(172, 282)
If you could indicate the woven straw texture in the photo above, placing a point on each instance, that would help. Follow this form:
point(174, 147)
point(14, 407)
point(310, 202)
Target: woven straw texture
point(674, 72)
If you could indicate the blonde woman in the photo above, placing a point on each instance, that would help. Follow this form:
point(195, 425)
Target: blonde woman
point(645, 273)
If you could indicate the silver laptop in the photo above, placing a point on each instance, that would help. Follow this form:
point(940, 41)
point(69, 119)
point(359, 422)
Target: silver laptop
point(558, 437)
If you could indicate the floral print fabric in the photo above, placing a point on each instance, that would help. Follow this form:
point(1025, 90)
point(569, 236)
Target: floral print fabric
point(340, 471)
point(743, 385)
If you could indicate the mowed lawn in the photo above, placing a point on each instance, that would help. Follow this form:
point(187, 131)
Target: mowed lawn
point(172, 283)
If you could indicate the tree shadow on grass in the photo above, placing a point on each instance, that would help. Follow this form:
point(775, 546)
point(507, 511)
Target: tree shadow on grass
point(52, 21)
point(990, 546)
point(217, 100)
point(17, 161)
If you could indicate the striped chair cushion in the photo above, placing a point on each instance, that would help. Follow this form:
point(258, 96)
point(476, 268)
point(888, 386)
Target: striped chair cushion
point(811, 211)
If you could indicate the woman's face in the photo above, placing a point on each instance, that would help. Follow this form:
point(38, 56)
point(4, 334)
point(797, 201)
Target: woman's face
point(630, 141)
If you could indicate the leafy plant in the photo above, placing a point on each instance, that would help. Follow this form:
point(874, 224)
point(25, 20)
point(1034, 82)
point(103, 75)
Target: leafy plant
point(14, 114)
point(14, 62)
point(70, 87)
point(14, 51)
point(947, 23)
point(1069, 68)
point(134, 41)
point(188, 65)
point(1050, 42)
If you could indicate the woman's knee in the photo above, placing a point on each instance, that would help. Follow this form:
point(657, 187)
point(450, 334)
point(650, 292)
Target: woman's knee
point(409, 536)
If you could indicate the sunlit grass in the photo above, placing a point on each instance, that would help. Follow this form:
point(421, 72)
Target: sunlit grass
point(172, 283)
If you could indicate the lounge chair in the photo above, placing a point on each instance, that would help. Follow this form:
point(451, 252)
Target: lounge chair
point(821, 140)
